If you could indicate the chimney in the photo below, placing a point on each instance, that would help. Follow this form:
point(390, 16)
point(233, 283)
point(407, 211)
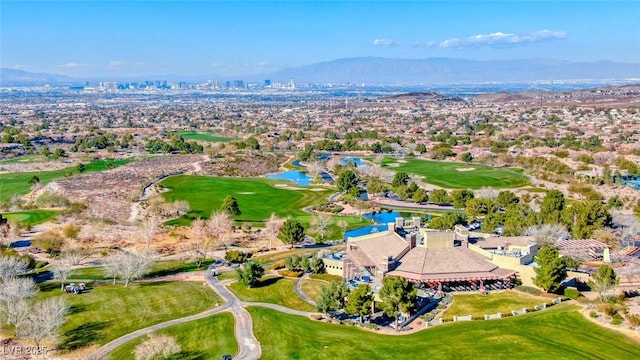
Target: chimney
point(411, 240)
point(392, 227)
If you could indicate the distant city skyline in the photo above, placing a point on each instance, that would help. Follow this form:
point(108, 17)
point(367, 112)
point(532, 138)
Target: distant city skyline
point(137, 38)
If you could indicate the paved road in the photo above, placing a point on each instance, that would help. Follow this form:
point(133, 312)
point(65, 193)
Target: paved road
point(112, 345)
point(248, 345)
point(298, 290)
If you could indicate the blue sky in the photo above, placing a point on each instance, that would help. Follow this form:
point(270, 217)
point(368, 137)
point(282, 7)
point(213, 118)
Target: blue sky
point(81, 38)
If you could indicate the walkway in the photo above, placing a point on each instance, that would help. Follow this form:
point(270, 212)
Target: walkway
point(298, 289)
point(248, 346)
point(112, 345)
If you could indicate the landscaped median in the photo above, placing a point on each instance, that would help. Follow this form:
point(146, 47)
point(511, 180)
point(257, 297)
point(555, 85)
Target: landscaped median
point(108, 311)
point(207, 338)
point(272, 289)
point(559, 332)
point(477, 305)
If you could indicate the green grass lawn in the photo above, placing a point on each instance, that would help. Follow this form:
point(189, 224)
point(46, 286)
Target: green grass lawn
point(31, 217)
point(107, 311)
point(207, 338)
point(326, 277)
point(503, 302)
point(257, 197)
point(281, 255)
point(228, 275)
point(557, 333)
point(18, 183)
point(272, 289)
point(447, 175)
point(24, 159)
point(160, 268)
point(201, 136)
point(313, 287)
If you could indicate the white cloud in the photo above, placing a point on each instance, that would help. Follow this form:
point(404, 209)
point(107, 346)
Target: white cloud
point(500, 38)
point(424, 45)
point(71, 65)
point(384, 43)
point(116, 63)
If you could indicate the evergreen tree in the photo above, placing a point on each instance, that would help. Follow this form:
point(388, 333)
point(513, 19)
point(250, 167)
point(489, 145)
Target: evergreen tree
point(398, 296)
point(291, 232)
point(551, 269)
point(359, 301)
point(230, 206)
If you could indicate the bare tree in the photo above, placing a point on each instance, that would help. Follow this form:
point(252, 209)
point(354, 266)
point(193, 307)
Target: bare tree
point(199, 242)
point(320, 224)
point(219, 225)
point(629, 224)
point(486, 192)
point(343, 225)
point(272, 227)
point(11, 266)
point(148, 229)
point(157, 347)
point(13, 295)
point(547, 233)
point(63, 267)
point(128, 265)
point(45, 319)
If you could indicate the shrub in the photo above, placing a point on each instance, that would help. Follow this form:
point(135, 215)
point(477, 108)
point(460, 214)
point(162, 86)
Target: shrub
point(237, 256)
point(633, 319)
point(71, 231)
point(616, 319)
point(278, 265)
point(49, 199)
point(290, 273)
point(610, 310)
point(571, 293)
point(51, 243)
point(427, 317)
point(593, 314)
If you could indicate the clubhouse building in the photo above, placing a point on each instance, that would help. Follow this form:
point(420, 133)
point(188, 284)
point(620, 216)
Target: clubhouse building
point(437, 259)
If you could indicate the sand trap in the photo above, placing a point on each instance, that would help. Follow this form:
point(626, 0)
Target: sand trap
point(281, 185)
point(465, 169)
point(317, 189)
point(246, 193)
point(401, 161)
point(292, 188)
point(393, 165)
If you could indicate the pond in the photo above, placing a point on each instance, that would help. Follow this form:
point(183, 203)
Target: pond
point(371, 229)
point(383, 217)
point(296, 176)
point(354, 160)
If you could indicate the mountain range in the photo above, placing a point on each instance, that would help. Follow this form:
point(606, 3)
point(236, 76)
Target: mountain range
point(375, 70)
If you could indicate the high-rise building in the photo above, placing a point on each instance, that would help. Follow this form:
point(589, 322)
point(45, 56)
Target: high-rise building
point(267, 82)
point(238, 84)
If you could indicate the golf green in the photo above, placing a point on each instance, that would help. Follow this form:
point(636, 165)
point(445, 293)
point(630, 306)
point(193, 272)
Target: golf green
point(257, 197)
point(200, 136)
point(31, 217)
point(452, 175)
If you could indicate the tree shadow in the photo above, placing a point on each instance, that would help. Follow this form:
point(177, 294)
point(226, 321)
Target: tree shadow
point(46, 287)
point(267, 282)
point(76, 309)
point(82, 335)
